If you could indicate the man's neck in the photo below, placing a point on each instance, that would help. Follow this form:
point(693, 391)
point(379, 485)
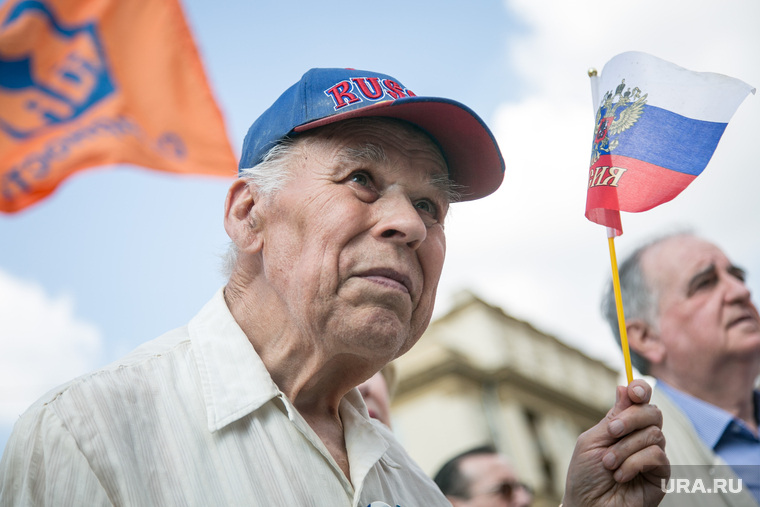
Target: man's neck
point(313, 380)
point(732, 391)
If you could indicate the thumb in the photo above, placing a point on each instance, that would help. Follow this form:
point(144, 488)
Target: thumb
point(622, 402)
point(637, 392)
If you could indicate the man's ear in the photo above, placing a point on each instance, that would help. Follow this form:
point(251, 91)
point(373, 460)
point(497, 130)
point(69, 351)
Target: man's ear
point(645, 341)
point(239, 217)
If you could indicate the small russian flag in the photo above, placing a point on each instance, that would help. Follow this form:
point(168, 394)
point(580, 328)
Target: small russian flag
point(657, 126)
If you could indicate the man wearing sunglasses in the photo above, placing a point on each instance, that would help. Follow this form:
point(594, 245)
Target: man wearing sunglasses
point(481, 477)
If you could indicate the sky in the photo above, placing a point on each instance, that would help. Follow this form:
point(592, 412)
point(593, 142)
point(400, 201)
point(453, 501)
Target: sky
point(119, 255)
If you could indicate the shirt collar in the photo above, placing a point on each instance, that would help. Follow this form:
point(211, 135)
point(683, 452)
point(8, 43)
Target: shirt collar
point(365, 442)
point(709, 421)
point(234, 380)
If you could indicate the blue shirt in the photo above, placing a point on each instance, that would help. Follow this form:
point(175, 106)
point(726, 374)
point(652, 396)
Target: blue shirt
point(728, 436)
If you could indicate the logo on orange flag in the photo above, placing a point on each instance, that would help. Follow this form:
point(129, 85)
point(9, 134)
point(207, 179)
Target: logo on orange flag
point(93, 82)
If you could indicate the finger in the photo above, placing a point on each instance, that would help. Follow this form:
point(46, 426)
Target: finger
point(625, 448)
point(651, 459)
point(634, 418)
point(600, 435)
point(609, 429)
point(615, 426)
point(639, 391)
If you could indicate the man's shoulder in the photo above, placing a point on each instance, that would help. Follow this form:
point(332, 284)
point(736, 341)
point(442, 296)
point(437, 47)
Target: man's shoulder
point(121, 376)
point(158, 347)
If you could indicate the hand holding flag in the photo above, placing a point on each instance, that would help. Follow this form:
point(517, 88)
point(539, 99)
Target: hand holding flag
point(657, 126)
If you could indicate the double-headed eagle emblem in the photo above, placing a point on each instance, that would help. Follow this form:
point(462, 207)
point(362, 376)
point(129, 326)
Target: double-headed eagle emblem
point(617, 113)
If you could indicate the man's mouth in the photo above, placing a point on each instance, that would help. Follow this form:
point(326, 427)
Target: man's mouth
point(390, 278)
point(747, 317)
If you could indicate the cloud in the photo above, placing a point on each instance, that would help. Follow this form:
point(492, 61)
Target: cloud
point(529, 248)
point(43, 344)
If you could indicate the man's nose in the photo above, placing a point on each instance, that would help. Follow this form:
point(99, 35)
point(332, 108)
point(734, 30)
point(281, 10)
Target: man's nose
point(737, 290)
point(399, 221)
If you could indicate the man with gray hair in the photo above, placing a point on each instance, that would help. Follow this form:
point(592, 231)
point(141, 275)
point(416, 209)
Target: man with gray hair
point(337, 225)
point(692, 325)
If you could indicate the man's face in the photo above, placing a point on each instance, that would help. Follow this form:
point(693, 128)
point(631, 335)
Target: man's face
point(353, 245)
point(493, 483)
point(706, 316)
point(374, 390)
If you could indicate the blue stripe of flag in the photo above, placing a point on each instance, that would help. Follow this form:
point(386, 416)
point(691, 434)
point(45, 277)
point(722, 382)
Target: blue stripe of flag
point(670, 140)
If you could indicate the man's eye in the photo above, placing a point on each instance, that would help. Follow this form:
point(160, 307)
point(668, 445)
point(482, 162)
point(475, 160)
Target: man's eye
point(361, 178)
point(426, 206)
point(705, 283)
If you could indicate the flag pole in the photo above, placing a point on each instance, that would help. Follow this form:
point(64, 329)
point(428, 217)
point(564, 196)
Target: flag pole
point(594, 79)
point(619, 306)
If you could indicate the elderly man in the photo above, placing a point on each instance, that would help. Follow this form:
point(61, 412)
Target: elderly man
point(482, 477)
point(336, 223)
point(692, 325)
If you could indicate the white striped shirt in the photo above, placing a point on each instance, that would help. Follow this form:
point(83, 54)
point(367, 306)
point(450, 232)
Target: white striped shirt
point(194, 418)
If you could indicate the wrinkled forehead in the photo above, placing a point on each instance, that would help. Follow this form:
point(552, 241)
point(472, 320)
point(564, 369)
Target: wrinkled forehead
point(369, 138)
point(676, 259)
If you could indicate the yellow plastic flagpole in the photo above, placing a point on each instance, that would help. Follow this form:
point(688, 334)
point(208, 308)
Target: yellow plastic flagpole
point(619, 306)
point(593, 76)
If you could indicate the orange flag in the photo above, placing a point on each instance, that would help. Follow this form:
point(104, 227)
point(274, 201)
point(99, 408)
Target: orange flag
point(92, 82)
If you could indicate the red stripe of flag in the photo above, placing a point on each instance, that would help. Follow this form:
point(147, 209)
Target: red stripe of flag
point(628, 184)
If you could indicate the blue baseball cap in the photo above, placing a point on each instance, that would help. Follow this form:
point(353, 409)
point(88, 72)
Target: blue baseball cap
point(325, 96)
